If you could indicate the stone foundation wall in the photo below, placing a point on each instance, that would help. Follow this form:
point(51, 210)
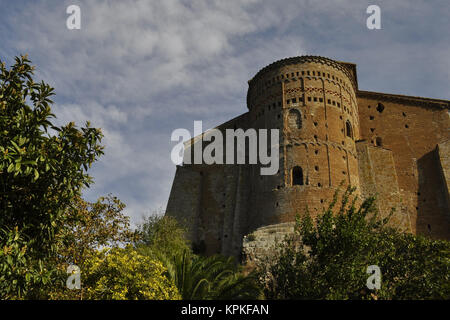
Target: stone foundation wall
point(263, 242)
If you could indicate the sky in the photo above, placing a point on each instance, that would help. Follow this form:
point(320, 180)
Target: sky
point(140, 69)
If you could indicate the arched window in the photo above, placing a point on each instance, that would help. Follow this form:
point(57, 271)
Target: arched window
point(348, 129)
point(297, 176)
point(295, 119)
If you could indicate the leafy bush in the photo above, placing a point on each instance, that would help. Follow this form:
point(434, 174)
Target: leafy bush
point(125, 274)
point(328, 258)
point(163, 235)
point(90, 226)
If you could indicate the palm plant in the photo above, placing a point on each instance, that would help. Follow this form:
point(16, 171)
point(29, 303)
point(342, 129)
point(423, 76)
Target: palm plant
point(215, 277)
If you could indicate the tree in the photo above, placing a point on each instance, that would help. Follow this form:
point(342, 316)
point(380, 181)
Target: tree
point(16, 276)
point(42, 168)
point(124, 274)
point(328, 258)
point(162, 236)
point(89, 228)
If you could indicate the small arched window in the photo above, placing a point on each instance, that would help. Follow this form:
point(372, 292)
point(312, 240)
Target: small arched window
point(348, 129)
point(295, 119)
point(297, 176)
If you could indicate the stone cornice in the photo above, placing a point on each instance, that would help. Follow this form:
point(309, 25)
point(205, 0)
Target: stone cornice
point(402, 99)
point(304, 59)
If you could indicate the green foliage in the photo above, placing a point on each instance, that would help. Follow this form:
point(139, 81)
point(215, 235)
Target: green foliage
point(196, 277)
point(125, 274)
point(40, 173)
point(89, 227)
point(215, 277)
point(17, 279)
point(328, 258)
point(163, 235)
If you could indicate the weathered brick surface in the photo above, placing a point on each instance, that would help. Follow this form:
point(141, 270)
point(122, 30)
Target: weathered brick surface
point(320, 112)
point(443, 150)
point(411, 128)
point(378, 178)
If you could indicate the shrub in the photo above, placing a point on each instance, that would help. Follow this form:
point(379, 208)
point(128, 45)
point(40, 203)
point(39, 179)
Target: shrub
point(125, 274)
point(328, 258)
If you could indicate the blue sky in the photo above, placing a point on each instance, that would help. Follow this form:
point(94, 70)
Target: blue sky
point(140, 69)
